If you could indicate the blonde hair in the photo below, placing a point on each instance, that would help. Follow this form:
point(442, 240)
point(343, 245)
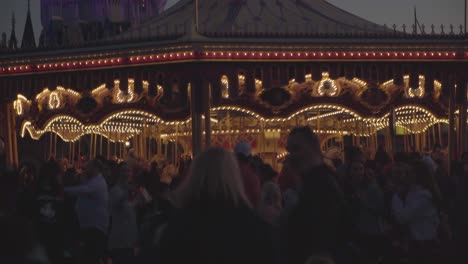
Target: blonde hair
point(214, 179)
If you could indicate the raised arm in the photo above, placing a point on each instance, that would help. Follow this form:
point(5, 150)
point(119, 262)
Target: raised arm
point(86, 188)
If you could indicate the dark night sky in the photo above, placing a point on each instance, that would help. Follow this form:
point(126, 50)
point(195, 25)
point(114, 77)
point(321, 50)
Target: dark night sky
point(380, 11)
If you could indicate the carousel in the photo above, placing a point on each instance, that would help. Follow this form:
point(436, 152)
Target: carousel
point(110, 119)
point(215, 73)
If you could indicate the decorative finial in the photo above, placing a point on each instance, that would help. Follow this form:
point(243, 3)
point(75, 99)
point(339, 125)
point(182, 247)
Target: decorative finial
point(423, 29)
point(404, 28)
point(394, 28)
point(414, 29)
point(432, 29)
point(451, 29)
point(442, 29)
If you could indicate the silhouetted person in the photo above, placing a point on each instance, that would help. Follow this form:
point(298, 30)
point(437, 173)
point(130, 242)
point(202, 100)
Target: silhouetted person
point(92, 210)
point(124, 231)
point(18, 242)
point(49, 211)
point(316, 224)
point(8, 179)
point(250, 179)
point(352, 153)
point(461, 212)
point(271, 201)
point(367, 201)
point(416, 205)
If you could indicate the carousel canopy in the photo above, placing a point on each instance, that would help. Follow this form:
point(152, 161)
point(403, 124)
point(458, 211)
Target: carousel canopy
point(238, 18)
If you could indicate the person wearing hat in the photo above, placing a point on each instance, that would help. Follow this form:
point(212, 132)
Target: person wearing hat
point(249, 177)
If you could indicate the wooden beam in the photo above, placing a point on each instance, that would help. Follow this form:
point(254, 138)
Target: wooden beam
point(196, 112)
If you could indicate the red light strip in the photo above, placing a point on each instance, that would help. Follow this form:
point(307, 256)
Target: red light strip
point(175, 56)
point(232, 55)
point(332, 55)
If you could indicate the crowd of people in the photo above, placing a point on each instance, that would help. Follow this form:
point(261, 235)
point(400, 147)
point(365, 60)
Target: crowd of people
point(232, 207)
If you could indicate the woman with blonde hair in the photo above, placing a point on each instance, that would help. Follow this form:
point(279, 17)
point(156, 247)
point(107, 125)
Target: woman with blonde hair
point(214, 178)
point(215, 222)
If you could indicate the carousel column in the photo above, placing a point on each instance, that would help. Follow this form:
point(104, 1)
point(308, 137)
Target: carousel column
point(451, 127)
point(462, 100)
point(429, 75)
point(465, 106)
point(108, 147)
point(391, 127)
point(266, 77)
point(100, 144)
point(15, 140)
point(176, 147)
point(159, 146)
point(233, 84)
point(250, 81)
point(95, 145)
point(196, 112)
point(206, 104)
point(11, 140)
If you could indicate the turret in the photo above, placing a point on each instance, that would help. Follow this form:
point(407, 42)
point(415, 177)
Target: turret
point(29, 40)
point(13, 42)
point(3, 43)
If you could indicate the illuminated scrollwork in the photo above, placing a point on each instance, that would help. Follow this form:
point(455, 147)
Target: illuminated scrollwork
point(55, 100)
point(21, 105)
point(18, 106)
point(258, 85)
point(412, 92)
point(120, 96)
point(224, 86)
point(161, 91)
point(241, 79)
point(327, 86)
point(438, 90)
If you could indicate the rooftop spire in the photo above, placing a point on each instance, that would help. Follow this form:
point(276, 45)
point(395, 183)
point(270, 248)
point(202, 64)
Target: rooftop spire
point(29, 41)
point(13, 43)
